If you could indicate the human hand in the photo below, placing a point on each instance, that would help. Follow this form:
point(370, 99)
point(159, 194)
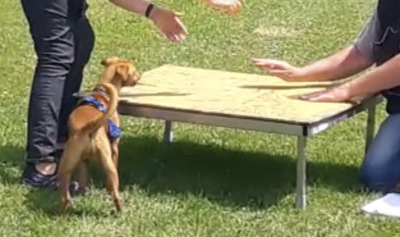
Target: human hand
point(229, 7)
point(169, 23)
point(281, 69)
point(336, 94)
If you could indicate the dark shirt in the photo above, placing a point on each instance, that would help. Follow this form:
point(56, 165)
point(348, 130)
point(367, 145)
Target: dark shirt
point(380, 40)
point(370, 34)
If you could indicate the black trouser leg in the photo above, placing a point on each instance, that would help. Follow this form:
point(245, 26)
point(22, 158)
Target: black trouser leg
point(84, 43)
point(53, 27)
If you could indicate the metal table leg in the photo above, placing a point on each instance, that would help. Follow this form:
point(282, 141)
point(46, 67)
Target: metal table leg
point(168, 134)
point(301, 199)
point(370, 127)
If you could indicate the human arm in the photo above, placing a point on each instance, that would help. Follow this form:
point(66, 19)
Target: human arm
point(167, 21)
point(137, 7)
point(380, 78)
point(229, 7)
point(341, 64)
point(384, 77)
point(344, 63)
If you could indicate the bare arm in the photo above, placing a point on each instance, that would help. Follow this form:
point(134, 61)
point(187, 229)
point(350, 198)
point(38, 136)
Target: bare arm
point(380, 78)
point(167, 21)
point(135, 6)
point(350, 60)
point(383, 77)
point(230, 7)
point(342, 64)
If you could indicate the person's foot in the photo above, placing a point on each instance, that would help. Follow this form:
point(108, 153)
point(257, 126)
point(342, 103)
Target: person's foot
point(43, 175)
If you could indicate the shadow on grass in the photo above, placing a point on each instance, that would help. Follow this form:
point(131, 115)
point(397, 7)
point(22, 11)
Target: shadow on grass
point(12, 164)
point(11, 161)
point(227, 177)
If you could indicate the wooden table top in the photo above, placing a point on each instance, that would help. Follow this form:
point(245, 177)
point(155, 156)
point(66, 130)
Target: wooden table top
point(230, 94)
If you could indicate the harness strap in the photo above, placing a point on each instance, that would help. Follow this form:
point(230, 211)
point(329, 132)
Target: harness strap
point(114, 131)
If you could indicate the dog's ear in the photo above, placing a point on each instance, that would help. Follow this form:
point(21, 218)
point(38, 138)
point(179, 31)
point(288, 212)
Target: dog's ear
point(128, 74)
point(109, 61)
point(108, 74)
point(122, 70)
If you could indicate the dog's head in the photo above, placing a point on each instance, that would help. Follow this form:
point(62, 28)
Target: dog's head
point(122, 70)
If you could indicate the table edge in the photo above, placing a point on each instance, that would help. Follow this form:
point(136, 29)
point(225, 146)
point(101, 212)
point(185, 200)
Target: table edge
point(307, 128)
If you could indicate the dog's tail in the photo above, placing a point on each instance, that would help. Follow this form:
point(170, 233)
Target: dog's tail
point(113, 103)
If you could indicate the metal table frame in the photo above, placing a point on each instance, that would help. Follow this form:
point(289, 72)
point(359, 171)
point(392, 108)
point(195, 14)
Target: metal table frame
point(301, 130)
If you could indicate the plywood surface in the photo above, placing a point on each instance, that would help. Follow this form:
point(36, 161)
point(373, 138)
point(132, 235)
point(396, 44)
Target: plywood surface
point(229, 93)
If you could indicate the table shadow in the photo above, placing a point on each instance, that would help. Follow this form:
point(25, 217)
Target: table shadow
point(11, 162)
point(226, 177)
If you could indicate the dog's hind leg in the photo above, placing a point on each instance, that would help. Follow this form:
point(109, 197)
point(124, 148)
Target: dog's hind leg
point(83, 176)
point(112, 175)
point(115, 152)
point(68, 162)
point(115, 156)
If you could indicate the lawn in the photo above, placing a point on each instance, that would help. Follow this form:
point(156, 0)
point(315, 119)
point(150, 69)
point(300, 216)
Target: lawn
point(210, 181)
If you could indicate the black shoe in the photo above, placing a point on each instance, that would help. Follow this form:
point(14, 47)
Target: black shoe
point(35, 179)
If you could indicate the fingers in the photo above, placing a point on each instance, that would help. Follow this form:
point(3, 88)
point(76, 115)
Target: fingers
point(309, 96)
point(173, 37)
point(269, 63)
point(182, 27)
point(239, 5)
point(284, 74)
point(261, 62)
point(176, 31)
point(169, 23)
point(229, 7)
point(318, 96)
point(234, 9)
point(177, 14)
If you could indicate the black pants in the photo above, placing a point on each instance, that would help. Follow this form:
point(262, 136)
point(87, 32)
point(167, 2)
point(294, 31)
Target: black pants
point(63, 41)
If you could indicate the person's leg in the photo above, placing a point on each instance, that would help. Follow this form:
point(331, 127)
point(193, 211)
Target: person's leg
point(51, 31)
point(380, 170)
point(84, 44)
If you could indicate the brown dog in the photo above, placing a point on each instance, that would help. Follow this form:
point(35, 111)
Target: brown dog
point(93, 131)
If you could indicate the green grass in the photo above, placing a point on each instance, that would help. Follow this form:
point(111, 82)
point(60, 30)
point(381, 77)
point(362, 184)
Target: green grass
point(210, 181)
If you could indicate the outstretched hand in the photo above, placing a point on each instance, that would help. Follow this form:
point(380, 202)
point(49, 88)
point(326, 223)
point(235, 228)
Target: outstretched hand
point(229, 7)
point(169, 24)
point(337, 94)
point(281, 69)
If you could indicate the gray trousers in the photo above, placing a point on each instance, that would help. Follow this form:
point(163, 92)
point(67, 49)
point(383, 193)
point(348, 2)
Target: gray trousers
point(63, 41)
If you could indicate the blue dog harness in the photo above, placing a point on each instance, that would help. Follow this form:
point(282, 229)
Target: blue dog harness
point(113, 130)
